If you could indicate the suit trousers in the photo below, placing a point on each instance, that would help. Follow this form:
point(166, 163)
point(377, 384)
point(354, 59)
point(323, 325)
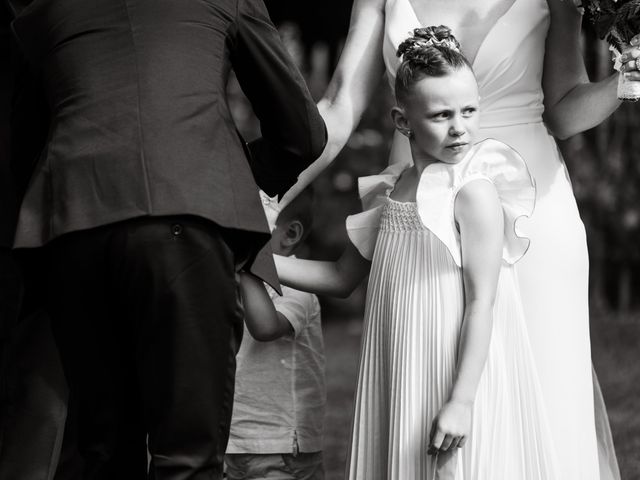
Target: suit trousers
point(148, 320)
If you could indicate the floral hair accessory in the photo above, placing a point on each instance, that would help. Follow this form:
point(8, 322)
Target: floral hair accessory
point(425, 37)
point(423, 43)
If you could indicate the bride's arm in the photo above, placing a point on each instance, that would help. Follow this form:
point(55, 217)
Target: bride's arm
point(356, 77)
point(336, 279)
point(572, 103)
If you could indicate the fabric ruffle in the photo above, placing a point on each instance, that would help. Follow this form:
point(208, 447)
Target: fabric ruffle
point(490, 160)
point(374, 190)
point(439, 184)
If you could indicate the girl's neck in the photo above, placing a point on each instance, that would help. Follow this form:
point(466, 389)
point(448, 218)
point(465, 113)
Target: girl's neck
point(407, 185)
point(420, 162)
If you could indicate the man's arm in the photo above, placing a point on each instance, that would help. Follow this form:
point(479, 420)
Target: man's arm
point(293, 132)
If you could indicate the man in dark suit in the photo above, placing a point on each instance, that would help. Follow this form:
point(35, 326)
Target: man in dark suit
point(147, 207)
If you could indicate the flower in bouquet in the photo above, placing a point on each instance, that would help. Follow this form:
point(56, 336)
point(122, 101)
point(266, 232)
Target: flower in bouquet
point(617, 22)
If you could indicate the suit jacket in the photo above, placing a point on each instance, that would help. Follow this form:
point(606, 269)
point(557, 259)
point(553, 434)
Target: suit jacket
point(139, 121)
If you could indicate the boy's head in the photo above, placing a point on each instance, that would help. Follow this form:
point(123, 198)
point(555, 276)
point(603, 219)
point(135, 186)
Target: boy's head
point(437, 96)
point(293, 224)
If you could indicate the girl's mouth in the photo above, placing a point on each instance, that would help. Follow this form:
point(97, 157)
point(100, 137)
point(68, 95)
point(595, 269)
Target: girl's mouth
point(457, 146)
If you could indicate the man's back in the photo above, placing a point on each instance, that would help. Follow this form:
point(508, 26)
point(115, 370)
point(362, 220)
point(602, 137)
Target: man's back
point(146, 308)
point(139, 119)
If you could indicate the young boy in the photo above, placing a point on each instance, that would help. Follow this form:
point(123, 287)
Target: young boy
point(278, 412)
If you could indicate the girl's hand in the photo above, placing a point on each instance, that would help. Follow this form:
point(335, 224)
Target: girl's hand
point(451, 427)
point(630, 59)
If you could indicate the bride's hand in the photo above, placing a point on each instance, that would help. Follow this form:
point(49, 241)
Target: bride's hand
point(579, 6)
point(630, 59)
point(451, 427)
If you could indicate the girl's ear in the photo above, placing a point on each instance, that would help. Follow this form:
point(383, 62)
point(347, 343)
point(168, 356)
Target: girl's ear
point(400, 121)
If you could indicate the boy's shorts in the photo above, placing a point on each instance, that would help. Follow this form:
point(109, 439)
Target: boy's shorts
point(246, 466)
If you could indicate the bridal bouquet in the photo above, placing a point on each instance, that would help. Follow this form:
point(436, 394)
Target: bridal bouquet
point(617, 22)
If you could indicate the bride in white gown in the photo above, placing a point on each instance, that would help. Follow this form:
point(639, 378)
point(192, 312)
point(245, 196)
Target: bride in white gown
point(527, 60)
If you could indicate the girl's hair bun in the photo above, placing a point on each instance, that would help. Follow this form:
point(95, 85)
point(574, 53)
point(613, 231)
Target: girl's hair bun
point(429, 52)
point(425, 38)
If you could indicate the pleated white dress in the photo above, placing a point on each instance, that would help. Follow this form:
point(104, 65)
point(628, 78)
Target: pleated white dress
point(414, 312)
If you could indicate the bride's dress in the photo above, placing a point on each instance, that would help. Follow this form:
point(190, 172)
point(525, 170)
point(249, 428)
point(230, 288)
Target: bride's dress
point(553, 275)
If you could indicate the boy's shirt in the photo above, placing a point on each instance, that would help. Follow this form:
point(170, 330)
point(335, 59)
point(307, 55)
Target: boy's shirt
point(280, 392)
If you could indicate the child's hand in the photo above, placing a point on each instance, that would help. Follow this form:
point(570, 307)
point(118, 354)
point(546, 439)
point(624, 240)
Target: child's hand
point(451, 427)
point(271, 209)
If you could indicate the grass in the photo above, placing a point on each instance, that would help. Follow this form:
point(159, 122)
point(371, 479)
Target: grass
point(616, 357)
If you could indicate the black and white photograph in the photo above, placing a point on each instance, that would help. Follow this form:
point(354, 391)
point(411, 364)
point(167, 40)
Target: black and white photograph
point(320, 240)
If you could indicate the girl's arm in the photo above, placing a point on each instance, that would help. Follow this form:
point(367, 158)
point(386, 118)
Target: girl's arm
point(263, 321)
point(572, 103)
point(356, 77)
point(336, 279)
point(479, 215)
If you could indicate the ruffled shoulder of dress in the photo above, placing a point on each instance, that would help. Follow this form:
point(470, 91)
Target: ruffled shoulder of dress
point(374, 190)
point(488, 160)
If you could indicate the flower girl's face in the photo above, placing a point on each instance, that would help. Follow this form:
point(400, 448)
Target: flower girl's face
point(442, 115)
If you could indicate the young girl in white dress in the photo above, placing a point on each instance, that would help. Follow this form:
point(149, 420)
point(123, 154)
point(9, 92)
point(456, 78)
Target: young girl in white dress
point(447, 386)
point(528, 61)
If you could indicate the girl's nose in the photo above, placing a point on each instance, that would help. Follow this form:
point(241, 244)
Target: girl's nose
point(456, 130)
point(457, 127)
